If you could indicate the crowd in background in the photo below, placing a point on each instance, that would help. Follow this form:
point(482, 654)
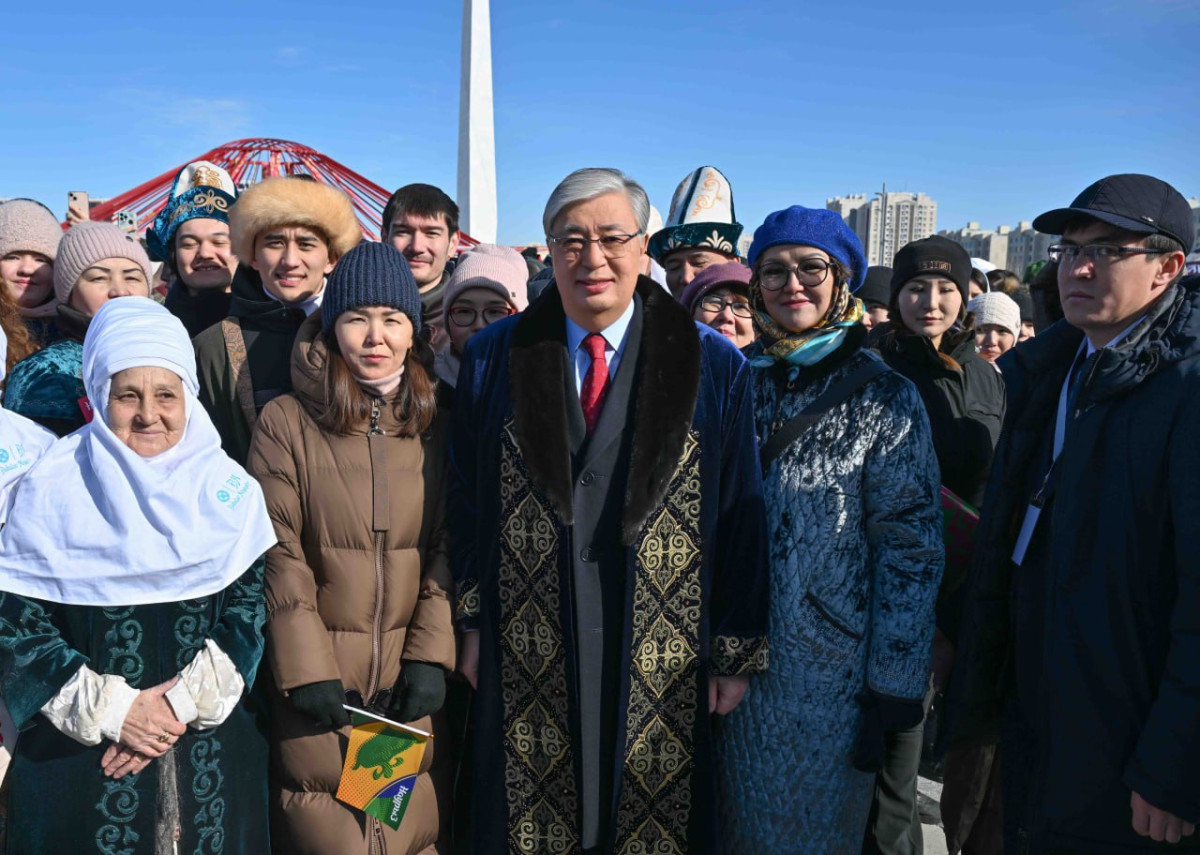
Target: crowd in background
point(673, 549)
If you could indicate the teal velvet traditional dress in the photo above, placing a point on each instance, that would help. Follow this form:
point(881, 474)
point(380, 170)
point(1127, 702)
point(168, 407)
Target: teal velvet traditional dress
point(139, 568)
point(59, 799)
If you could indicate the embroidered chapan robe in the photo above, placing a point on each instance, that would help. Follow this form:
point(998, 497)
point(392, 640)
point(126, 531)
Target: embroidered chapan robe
point(685, 539)
point(59, 799)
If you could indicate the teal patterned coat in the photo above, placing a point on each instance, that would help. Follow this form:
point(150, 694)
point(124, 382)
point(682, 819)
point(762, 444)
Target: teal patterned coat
point(59, 800)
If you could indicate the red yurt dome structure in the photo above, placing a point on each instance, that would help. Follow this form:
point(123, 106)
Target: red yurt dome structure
point(250, 161)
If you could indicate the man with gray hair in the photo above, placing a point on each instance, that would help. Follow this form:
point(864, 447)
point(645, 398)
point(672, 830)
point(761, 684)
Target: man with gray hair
point(606, 510)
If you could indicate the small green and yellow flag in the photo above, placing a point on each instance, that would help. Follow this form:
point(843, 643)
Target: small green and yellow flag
point(382, 762)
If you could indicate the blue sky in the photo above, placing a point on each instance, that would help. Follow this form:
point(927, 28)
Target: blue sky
point(998, 110)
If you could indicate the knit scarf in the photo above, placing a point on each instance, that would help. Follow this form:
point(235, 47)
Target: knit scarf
point(809, 347)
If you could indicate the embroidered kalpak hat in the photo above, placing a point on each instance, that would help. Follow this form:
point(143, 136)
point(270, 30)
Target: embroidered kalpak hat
point(201, 190)
point(701, 216)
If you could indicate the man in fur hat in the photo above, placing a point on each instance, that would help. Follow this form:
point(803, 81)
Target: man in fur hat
point(605, 501)
point(291, 231)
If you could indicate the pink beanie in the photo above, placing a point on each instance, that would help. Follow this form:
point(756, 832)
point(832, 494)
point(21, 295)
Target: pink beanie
point(496, 268)
point(28, 226)
point(88, 242)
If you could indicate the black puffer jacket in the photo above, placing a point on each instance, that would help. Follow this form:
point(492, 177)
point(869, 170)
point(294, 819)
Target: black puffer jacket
point(268, 330)
point(1088, 651)
point(964, 397)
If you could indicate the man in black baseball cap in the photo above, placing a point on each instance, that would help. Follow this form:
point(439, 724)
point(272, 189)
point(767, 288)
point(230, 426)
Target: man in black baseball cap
point(1082, 626)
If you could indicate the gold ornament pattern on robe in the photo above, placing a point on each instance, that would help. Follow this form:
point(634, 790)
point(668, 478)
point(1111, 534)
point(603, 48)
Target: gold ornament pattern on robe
point(656, 787)
point(539, 770)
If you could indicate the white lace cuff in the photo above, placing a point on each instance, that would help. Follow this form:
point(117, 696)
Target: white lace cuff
point(209, 688)
point(91, 706)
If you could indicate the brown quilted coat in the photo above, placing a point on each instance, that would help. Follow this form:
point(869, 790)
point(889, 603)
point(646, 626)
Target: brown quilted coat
point(358, 581)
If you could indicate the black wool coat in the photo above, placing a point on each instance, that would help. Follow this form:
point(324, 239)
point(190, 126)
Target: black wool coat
point(1088, 652)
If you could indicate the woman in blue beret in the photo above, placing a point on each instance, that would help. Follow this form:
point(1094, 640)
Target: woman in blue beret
point(851, 489)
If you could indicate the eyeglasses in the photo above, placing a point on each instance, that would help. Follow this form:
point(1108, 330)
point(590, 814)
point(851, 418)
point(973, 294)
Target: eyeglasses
point(716, 305)
point(810, 272)
point(464, 316)
point(613, 246)
point(1096, 252)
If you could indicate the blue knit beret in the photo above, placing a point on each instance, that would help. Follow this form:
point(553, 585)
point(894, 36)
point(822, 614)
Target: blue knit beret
point(371, 274)
point(814, 227)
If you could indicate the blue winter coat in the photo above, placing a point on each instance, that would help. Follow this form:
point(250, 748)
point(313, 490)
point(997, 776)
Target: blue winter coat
point(854, 533)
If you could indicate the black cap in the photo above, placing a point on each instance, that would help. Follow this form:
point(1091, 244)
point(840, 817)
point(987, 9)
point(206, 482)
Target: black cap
point(936, 254)
point(877, 287)
point(1141, 204)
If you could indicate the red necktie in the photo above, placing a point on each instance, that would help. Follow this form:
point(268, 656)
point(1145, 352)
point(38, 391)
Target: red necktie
point(595, 382)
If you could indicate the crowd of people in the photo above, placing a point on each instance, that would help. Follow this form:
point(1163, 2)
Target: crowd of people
point(675, 545)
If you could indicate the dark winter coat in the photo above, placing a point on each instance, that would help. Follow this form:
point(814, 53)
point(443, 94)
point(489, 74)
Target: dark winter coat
point(964, 397)
point(1088, 650)
point(200, 311)
point(266, 329)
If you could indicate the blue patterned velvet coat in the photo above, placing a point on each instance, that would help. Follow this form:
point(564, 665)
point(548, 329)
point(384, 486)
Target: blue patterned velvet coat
point(856, 557)
point(59, 799)
point(690, 538)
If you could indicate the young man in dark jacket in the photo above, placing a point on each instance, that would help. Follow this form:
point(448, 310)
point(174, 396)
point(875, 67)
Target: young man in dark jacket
point(421, 221)
point(1081, 635)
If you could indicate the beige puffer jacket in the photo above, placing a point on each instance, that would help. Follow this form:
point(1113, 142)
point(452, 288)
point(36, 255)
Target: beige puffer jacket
point(358, 581)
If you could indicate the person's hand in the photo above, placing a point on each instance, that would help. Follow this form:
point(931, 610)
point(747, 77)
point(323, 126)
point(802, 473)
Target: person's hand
point(943, 659)
point(151, 728)
point(322, 702)
point(725, 693)
point(468, 657)
point(419, 691)
point(119, 761)
point(1149, 821)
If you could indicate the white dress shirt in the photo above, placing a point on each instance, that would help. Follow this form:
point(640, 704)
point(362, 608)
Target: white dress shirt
point(614, 343)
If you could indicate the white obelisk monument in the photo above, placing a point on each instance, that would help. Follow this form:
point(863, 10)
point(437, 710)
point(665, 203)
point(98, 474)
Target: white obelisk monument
point(476, 130)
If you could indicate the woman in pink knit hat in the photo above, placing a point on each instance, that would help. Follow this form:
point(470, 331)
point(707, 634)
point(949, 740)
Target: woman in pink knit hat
point(487, 285)
point(96, 262)
point(29, 238)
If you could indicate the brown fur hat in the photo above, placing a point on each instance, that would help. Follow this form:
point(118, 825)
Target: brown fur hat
point(293, 202)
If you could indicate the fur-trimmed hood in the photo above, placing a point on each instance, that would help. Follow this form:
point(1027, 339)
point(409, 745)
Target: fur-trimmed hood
point(293, 202)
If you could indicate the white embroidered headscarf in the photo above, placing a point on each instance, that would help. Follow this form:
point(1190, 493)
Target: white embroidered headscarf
point(21, 442)
point(100, 525)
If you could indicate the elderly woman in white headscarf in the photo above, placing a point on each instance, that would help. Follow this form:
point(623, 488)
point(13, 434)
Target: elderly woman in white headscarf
point(131, 615)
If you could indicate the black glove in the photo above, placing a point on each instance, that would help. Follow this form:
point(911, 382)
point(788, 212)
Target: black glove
point(420, 691)
point(322, 702)
point(881, 715)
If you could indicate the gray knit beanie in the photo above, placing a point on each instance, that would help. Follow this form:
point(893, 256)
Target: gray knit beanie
point(88, 242)
point(371, 274)
point(28, 226)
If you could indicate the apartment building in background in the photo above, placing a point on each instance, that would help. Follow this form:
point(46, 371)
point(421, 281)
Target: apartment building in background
point(989, 244)
point(886, 221)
